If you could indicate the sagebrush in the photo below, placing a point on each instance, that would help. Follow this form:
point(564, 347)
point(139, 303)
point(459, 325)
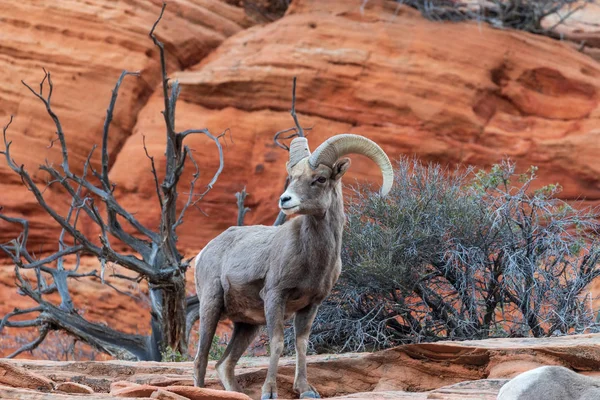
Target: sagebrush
point(460, 255)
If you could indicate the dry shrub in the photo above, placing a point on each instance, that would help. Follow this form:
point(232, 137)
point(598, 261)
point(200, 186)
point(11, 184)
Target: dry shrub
point(460, 255)
point(525, 15)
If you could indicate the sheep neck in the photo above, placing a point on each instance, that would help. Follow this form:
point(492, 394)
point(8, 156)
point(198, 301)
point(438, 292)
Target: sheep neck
point(322, 235)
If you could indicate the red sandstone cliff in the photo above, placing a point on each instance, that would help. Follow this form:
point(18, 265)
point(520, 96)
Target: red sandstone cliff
point(452, 93)
point(85, 46)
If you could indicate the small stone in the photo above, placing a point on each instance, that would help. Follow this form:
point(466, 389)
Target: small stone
point(72, 387)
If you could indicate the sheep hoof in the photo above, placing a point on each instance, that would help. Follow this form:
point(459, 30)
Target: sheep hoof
point(266, 396)
point(310, 395)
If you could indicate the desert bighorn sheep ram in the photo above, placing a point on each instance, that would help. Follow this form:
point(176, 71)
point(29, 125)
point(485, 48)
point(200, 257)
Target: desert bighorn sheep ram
point(257, 275)
point(551, 383)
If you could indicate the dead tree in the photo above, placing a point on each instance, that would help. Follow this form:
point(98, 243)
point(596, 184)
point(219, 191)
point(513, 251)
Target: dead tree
point(151, 255)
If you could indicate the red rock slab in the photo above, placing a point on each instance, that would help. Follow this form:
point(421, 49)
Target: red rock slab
point(135, 391)
point(164, 395)
point(119, 385)
point(73, 387)
point(171, 381)
point(11, 393)
point(436, 369)
point(12, 375)
point(196, 393)
point(190, 392)
point(485, 389)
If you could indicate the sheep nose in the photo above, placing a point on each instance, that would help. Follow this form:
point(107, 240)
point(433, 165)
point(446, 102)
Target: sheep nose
point(284, 199)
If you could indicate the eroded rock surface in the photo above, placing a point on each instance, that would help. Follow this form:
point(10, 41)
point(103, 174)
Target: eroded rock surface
point(443, 370)
point(385, 73)
point(452, 93)
point(377, 70)
point(85, 46)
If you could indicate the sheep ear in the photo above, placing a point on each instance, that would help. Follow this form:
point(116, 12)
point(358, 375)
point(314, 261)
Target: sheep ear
point(340, 167)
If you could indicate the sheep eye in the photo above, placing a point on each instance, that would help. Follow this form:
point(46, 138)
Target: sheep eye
point(321, 179)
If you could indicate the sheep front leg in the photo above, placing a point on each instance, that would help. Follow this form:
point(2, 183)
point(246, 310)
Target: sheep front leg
point(302, 324)
point(274, 313)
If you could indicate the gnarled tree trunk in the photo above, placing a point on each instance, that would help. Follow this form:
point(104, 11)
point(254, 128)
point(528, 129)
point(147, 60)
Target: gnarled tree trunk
point(153, 256)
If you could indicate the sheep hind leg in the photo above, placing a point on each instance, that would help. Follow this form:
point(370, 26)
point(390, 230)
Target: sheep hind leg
point(211, 307)
point(302, 323)
point(242, 336)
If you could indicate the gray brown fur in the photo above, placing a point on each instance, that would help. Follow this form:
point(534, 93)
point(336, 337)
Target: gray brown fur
point(551, 383)
point(261, 275)
point(256, 275)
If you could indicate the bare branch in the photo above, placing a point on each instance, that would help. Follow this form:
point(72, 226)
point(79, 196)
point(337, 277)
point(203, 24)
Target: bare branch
point(6, 142)
point(59, 130)
point(195, 198)
point(165, 79)
point(105, 195)
point(293, 110)
point(298, 130)
point(59, 254)
point(153, 170)
point(277, 137)
point(242, 209)
point(5, 321)
point(32, 345)
point(190, 200)
point(107, 121)
point(182, 135)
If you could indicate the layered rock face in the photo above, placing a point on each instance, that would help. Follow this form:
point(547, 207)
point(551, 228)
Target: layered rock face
point(450, 93)
point(85, 45)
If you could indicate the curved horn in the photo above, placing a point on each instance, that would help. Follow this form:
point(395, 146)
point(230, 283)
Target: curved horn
point(340, 145)
point(298, 150)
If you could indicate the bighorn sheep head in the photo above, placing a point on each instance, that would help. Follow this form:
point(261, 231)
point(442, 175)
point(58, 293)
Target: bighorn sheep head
point(314, 177)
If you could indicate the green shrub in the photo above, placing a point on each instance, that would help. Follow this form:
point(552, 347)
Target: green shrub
point(216, 349)
point(170, 355)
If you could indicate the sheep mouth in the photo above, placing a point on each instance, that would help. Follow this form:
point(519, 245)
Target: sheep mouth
point(290, 210)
